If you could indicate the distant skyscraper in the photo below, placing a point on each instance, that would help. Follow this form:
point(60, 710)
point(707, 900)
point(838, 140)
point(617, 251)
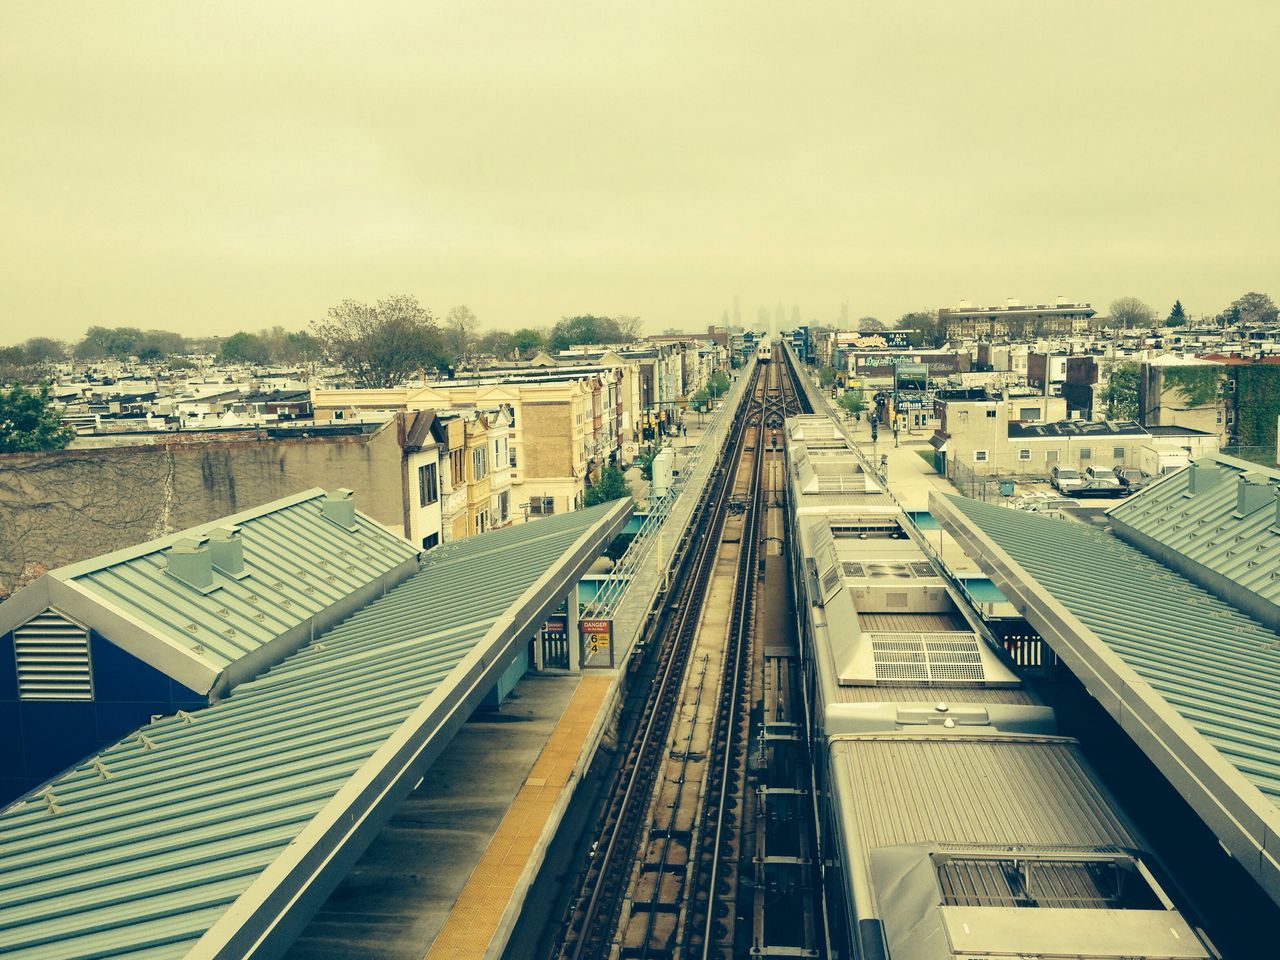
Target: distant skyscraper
point(737, 311)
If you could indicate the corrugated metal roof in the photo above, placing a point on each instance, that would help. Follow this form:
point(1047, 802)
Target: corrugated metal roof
point(989, 792)
point(1218, 668)
point(1204, 527)
point(153, 839)
point(298, 563)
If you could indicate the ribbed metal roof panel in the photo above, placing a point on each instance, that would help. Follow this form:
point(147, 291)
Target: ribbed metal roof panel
point(1204, 528)
point(158, 834)
point(987, 792)
point(1217, 667)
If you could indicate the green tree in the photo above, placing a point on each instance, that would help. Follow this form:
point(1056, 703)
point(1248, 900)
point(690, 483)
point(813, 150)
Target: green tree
point(925, 330)
point(1252, 308)
point(244, 348)
point(28, 423)
point(526, 340)
point(1120, 397)
point(701, 400)
point(826, 376)
point(572, 331)
point(383, 344)
point(612, 485)
point(718, 383)
point(871, 325)
point(42, 350)
point(1177, 316)
point(851, 402)
point(1131, 312)
point(101, 342)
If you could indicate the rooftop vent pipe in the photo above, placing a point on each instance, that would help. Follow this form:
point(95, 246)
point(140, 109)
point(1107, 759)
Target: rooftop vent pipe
point(338, 507)
point(190, 561)
point(227, 550)
point(1202, 475)
point(1253, 492)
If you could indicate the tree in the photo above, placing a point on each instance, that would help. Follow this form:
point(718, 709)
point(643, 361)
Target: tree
point(460, 332)
point(1131, 312)
point(612, 485)
point(1177, 316)
point(28, 423)
point(382, 344)
point(700, 401)
point(496, 343)
point(100, 342)
point(244, 348)
point(526, 340)
point(1120, 398)
point(851, 401)
point(572, 331)
point(1252, 308)
point(871, 325)
point(925, 330)
point(826, 376)
point(628, 328)
point(42, 350)
point(718, 383)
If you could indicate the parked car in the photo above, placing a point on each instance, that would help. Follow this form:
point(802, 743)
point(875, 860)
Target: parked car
point(1099, 482)
point(1102, 475)
point(1065, 479)
point(1132, 479)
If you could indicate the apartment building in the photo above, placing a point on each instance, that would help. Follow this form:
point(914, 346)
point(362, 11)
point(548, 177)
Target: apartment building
point(1016, 320)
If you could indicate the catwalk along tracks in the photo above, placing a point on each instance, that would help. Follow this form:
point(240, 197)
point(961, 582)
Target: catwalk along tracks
point(678, 866)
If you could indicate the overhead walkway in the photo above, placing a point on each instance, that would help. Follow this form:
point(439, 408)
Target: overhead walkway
point(218, 833)
point(1193, 681)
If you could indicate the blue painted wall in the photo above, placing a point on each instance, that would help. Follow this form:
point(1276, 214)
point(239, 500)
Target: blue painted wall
point(41, 738)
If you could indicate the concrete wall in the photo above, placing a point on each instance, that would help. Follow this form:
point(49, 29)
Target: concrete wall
point(64, 506)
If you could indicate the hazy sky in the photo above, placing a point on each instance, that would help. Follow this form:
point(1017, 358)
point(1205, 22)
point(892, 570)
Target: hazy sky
point(207, 167)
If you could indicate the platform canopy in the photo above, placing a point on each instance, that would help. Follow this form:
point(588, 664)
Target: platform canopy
point(1192, 680)
point(218, 833)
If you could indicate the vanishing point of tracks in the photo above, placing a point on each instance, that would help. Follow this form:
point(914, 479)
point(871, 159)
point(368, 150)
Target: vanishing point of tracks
point(662, 877)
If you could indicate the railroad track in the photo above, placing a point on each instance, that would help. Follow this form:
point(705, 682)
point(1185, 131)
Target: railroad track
point(662, 878)
point(590, 930)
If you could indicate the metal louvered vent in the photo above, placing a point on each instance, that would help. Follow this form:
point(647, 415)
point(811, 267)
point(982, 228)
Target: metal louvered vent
point(928, 658)
point(52, 654)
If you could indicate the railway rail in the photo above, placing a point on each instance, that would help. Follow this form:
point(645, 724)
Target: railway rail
point(662, 879)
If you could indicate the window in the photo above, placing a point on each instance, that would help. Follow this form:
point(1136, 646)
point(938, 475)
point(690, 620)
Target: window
point(480, 462)
point(991, 414)
point(979, 456)
point(504, 506)
point(458, 467)
point(1118, 453)
point(511, 453)
point(482, 521)
point(1029, 413)
point(430, 540)
point(1051, 456)
point(428, 485)
point(1024, 454)
point(542, 506)
point(1086, 453)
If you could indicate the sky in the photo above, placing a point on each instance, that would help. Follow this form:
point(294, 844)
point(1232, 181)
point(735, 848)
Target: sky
point(213, 167)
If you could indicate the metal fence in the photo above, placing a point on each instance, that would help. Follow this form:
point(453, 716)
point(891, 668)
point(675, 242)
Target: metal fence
point(627, 594)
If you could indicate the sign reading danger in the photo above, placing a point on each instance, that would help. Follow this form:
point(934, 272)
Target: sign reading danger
point(595, 634)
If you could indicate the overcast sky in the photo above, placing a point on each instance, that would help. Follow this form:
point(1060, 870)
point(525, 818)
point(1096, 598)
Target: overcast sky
point(211, 167)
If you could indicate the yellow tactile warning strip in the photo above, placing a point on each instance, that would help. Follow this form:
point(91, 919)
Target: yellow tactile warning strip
point(475, 916)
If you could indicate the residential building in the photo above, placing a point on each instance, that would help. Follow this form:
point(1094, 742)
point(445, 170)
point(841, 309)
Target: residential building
point(1015, 320)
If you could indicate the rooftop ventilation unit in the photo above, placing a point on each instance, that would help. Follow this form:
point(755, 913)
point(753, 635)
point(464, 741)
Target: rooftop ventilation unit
point(1253, 492)
point(190, 561)
point(52, 654)
point(339, 507)
point(227, 551)
point(1202, 475)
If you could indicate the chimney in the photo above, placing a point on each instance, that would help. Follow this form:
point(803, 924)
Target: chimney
point(1202, 475)
point(227, 550)
point(190, 561)
point(338, 507)
point(1253, 492)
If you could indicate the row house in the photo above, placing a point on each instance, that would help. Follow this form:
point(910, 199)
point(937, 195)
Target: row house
point(1016, 320)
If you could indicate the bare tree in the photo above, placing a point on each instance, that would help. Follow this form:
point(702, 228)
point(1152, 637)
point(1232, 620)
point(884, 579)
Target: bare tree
point(871, 325)
point(460, 328)
point(628, 328)
point(1131, 312)
point(383, 344)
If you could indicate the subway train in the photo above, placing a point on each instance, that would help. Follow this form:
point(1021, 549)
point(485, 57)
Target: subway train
point(764, 350)
point(954, 820)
